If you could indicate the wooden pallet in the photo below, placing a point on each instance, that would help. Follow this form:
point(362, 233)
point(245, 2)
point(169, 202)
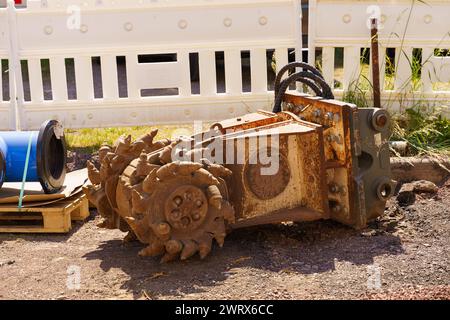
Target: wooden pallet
point(53, 218)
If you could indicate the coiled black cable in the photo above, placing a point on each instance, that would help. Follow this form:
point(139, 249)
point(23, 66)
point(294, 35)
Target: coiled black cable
point(311, 78)
point(291, 67)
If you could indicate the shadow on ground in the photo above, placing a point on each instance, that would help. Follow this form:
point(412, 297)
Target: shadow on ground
point(300, 248)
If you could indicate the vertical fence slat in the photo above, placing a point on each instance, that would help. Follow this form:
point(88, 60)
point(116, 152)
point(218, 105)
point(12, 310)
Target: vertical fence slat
point(178, 74)
point(297, 18)
point(382, 52)
point(403, 72)
point(1, 81)
point(370, 71)
point(351, 65)
point(132, 84)
point(282, 59)
point(185, 74)
point(233, 72)
point(427, 70)
point(58, 78)
point(328, 65)
point(15, 110)
point(84, 78)
point(207, 65)
point(312, 26)
point(109, 77)
point(258, 68)
point(35, 76)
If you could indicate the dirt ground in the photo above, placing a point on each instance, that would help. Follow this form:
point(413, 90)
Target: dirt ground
point(404, 255)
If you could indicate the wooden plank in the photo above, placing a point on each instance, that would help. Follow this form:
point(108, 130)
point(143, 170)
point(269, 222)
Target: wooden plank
point(54, 218)
point(30, 229)
point(258, 69)
point(10, 217)
point(59, 222)
point(81, 212)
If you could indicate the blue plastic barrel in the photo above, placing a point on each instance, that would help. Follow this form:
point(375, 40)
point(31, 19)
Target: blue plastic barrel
point(47, 161)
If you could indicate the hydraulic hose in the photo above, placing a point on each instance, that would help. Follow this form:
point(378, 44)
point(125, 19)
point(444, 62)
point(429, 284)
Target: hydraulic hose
point(318, 85)
point(292, 67)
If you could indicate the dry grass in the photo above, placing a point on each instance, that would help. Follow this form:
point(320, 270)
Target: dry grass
point(93, 139)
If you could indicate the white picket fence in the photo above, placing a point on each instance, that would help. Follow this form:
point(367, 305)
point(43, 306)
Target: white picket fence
point(404, 25)
point(131, 28)
point(52, 73)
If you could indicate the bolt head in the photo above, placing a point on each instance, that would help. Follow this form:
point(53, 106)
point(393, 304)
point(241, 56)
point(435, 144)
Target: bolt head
point(128, 26)
point(178, 201)
point(227, 22)
point(347, 18)
point(334, 188)
point(163, 228)
point(336, 118)
point(381, 120)
point(185, 221)
point(176, 214)
point(263, 20)
point(290, 106)
point(182, 24)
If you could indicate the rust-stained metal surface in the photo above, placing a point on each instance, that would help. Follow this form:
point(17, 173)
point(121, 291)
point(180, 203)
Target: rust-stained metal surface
point(358, 174)
point(175, 208)
point(296, 183)
point(305, 163)
point(334, 117)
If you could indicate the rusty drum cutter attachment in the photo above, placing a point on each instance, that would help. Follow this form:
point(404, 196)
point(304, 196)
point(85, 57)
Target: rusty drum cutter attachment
point(312, 158)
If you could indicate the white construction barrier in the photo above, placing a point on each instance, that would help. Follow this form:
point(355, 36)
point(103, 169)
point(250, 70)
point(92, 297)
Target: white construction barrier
point(102, 63)
point(109, 51)
point(405, 27)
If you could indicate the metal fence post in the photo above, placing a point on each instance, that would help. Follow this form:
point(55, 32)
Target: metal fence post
point(15, 72)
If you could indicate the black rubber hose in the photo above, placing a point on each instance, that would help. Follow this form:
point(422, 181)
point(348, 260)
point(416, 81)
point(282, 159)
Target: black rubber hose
point(324, 91)
point(319, 80)
point(292, 66)
point(311, 84)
